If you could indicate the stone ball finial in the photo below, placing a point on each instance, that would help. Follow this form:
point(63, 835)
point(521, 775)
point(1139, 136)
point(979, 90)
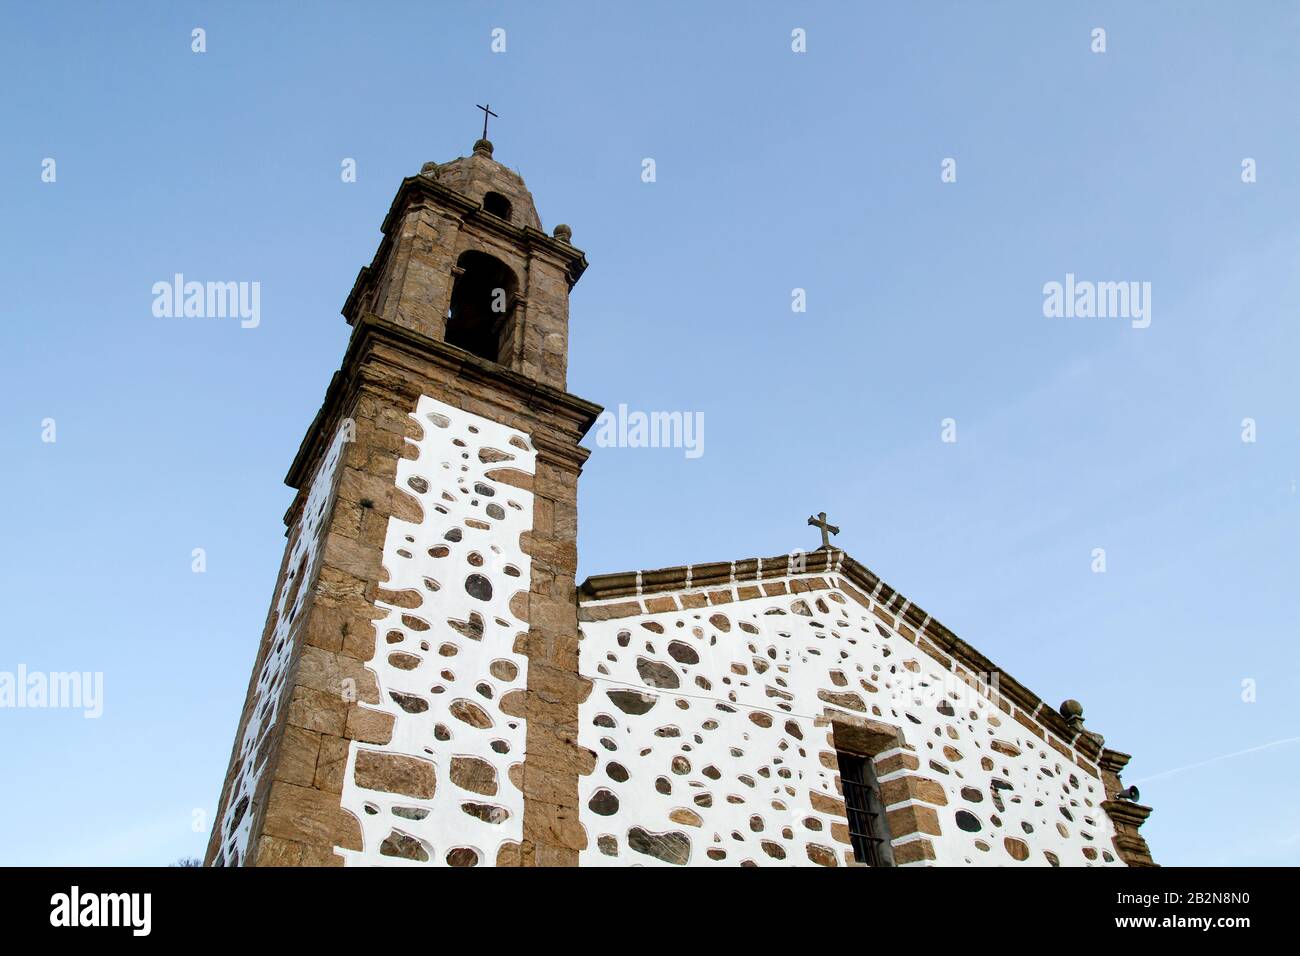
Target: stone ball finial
point(483, 147)
point(1072, 711)
point(563, 233)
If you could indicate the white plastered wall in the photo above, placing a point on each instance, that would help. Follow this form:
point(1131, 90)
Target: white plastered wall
point(444, 666)
point(737, 743)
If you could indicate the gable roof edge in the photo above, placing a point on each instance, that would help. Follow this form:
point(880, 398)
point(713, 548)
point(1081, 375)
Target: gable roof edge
point(913, 622)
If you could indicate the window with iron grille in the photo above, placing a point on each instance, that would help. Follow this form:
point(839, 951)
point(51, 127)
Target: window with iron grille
point(868, 828)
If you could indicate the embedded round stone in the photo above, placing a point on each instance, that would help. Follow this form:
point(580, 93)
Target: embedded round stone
point(656, 673)
point(1017, 849)
point(671, 847)
point(686, 817)
point(631, 701)
point(462, 856)
point(486, 812)
point(603, 802)
point(409, 703)
point(683, 653)
point(470, 713)
point(503, 670)
point(479, 587)
point(403, 847)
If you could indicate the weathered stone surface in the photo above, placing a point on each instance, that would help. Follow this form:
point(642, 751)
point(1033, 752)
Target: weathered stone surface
point(514, 704)
point(913, 819)
point(823, 803)
point(395, 773)
point(404, 846)
point(479, 586)
point(471, 713)
point(331, 764)
point(513, 477)
point(503, 670)
point(913, 851)
point(603, 802)
point(298, 754)
point(310, 816)
point(272, 851)
point(409, 702)
point(632, 701)
point(845, 699)
point(318, 711)
point(327, 672)
point(368, 726)
point(683, 653)
point(821, 855)
point(486, 812)
point(671, 847)
point(462, 856)
point(1018, 849)
point(474, 774)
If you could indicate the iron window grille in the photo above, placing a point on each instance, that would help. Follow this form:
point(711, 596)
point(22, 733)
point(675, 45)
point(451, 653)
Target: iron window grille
point(868, 828)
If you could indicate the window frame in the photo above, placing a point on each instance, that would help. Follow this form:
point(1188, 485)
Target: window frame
point(864, 809)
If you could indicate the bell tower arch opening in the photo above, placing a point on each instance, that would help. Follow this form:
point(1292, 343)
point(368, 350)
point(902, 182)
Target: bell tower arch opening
point(482, 309)
point(465, 261)
point(497, 204)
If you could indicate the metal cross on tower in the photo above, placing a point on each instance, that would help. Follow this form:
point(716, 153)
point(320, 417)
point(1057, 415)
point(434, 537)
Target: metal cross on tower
point(487, 111)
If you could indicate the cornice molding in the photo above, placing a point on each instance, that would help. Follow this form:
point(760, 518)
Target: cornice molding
point(362, 367)
point(1123, 811)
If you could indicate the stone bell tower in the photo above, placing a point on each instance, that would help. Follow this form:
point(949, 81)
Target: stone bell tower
point(414, 699)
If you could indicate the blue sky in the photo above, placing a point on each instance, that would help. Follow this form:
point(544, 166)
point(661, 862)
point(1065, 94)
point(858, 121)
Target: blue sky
point(775, 171)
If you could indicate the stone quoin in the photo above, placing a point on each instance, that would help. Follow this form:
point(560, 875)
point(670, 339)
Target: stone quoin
point(433, 688)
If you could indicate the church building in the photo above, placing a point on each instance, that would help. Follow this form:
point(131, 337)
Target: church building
point(434, 688)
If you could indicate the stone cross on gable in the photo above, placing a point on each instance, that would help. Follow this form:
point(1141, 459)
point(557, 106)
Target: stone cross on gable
point(826, 529)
